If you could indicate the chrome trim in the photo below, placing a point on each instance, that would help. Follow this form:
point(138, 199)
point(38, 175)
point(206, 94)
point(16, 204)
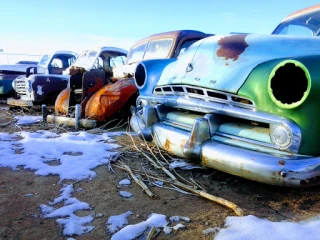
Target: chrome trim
point(198, 105)
point(247, 140)
point(275, 169)
point(205, 96)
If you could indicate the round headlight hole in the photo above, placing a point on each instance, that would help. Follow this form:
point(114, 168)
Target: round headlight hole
point(140, 75)
point(289, 83)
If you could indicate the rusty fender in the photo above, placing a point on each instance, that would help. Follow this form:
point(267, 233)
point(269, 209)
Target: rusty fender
point(110, 99)
point(62, 102)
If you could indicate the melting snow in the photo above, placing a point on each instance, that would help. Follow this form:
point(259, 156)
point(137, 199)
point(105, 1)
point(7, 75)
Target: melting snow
point(132, 231)
point(76, 158)
point(28, 120)
point(125, 182)
point(125, 194)
point(71, 224)
point(117, 222)
point(251, 227)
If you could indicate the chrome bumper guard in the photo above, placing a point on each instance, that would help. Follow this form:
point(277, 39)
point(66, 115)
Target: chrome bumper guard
point(198, 145)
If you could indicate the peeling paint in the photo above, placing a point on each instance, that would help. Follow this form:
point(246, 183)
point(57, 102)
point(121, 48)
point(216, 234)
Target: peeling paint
point(39, 90)
point(231, 47)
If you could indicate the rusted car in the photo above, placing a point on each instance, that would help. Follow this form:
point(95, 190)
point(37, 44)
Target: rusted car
point(43, 82)
point(102, 98)
point(245, 104)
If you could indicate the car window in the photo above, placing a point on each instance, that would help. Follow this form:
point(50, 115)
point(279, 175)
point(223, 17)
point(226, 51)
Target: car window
point(296, 30)
point(56, 63)
point(98, 64)
point(304, 25)
point(159, 48)
point(44, 60)
point(137, 53)
point(117, 61)
point(86, 59)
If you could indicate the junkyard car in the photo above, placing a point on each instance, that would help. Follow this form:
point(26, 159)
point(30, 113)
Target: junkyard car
point(42, 82)
point(102, 99)
point(245, 104)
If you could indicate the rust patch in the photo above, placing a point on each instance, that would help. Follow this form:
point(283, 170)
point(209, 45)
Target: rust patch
point(282, 162)
point(167, 145)
point(62, 102)
point(231, 47)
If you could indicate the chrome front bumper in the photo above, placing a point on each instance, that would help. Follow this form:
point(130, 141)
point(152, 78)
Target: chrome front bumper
point(197, 144)
point(19, 102)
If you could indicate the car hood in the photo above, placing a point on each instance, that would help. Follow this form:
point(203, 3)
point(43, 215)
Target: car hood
point(224, 62)
point(16, 67)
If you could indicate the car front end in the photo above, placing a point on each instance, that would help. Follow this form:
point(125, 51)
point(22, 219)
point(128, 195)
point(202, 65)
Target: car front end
point(242, 104)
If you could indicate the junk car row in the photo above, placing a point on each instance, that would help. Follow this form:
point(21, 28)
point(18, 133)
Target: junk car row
point(246, 104)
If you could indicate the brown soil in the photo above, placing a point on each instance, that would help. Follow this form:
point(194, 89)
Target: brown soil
point(20, 215)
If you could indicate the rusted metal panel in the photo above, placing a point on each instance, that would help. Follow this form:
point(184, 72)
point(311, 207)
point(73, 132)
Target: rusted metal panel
point(110, 99)
point(91, 83)
point(62, 102)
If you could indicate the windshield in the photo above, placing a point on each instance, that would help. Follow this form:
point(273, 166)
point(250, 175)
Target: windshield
point(154, 49)
point(86, 59)
point(304, 25)
point(44, 61)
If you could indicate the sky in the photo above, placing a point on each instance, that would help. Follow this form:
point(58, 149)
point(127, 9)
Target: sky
point(64, 207)
point(30, 27)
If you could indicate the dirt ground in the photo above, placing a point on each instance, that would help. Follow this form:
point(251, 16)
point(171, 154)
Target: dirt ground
point(20, 215)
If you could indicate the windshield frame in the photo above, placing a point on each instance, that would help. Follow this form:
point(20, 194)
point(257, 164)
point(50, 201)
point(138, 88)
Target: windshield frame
point(304, 20)
point(86, 62)
point(147, 43)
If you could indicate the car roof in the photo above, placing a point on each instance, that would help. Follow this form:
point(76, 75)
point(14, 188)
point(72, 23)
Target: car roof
point(302, 12)
point(171, 34)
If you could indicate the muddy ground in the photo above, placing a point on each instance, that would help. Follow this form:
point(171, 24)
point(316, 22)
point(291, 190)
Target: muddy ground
point(20, 215)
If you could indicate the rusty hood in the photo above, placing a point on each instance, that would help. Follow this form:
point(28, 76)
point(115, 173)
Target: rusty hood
point(224, 62)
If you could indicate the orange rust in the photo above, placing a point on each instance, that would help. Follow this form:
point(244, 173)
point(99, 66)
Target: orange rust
point(62, 102)
point(110, 99)
point(231, 47)
point(167, 145)
point(302, 12)
point(282, 162)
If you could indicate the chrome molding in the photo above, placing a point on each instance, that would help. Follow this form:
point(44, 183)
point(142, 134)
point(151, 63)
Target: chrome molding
point(204, 94)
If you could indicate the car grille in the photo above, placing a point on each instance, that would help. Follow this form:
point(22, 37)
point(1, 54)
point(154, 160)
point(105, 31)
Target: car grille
point(205, 94)
point(21, 87)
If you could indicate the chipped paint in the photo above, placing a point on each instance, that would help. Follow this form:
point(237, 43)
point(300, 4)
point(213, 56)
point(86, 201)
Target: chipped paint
point(39, 90)
point(231, 47)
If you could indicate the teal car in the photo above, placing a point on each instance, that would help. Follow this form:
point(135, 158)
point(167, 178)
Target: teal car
point(246, 104)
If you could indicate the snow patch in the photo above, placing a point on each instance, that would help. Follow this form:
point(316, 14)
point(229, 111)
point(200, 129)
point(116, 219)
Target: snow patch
point(115, 223)
point(251, 227)
point(125, 182)
point(125, 194)
point(28, 120)
point(71, 223)
point(73, 151)
point(132, 231)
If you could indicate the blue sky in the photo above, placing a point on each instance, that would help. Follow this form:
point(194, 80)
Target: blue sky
point(37, 27)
